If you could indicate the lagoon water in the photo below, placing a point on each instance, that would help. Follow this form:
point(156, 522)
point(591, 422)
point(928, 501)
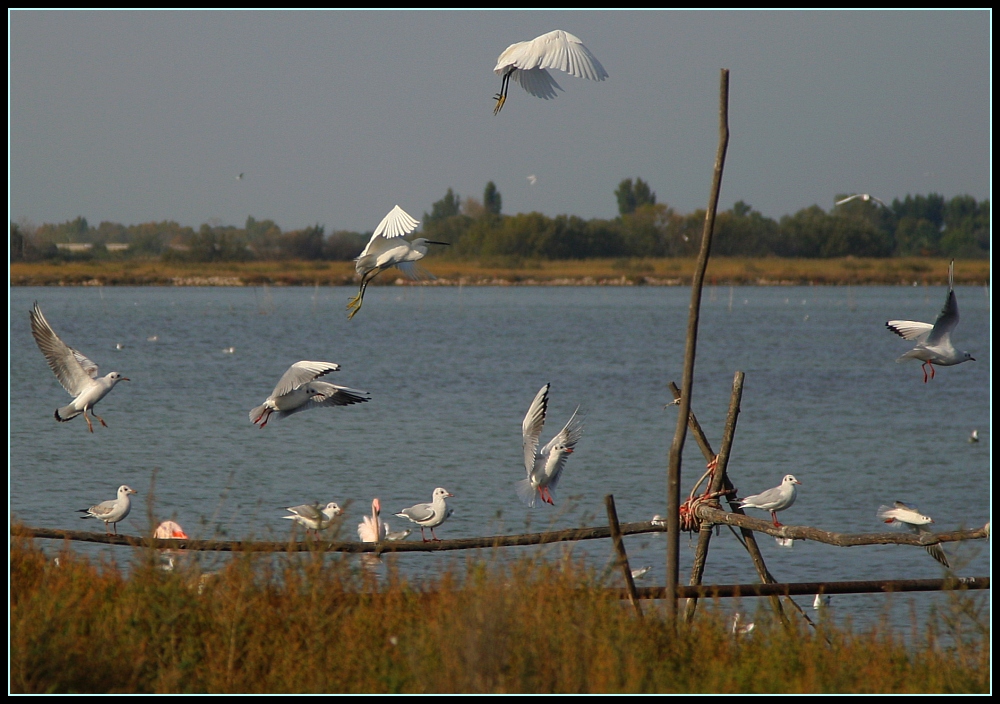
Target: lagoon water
point(451, 373)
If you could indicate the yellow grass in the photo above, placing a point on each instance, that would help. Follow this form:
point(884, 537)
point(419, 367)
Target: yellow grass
point(315, 623)
point(501, 270)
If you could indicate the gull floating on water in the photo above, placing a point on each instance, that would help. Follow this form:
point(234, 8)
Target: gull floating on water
point(76, 373)
point(821, 601)
point(784, 542)
point(312, 517)
point(387, 249)
point(297, 391)
point(777, 499)
point(974, 436)
point(641, 572)
point(863, 196)
point(373, 529)
point(111, 511)
point(915, 521)
point(934, 341)
point(740, 625)
point(526, 63)
point(396, 534)
point(429, 515)
point(545, 466)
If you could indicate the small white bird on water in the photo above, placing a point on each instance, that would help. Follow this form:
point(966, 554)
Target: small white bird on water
point(974, 436)
point(76, 373)
point(545, 466)
point(387, 249)
point(111, 511)
point(429, 515)
point(526, 63)
point(314, 518)
point(298, 390)
point(777, 499)
point(372, 529)
point(917, 522)
point(863, 196)
point(934, 341)
point(821, 602)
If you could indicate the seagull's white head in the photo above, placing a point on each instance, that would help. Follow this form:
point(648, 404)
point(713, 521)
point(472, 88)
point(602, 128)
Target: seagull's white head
point(789, 479)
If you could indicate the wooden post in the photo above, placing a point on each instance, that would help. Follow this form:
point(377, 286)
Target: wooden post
point(697, 280)
point(616, 538)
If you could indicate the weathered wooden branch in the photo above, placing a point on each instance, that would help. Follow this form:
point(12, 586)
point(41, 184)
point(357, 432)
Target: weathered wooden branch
point(884, 586)
point(616, 539)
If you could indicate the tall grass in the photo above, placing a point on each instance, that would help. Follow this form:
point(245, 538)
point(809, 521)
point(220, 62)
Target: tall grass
point(318, 623)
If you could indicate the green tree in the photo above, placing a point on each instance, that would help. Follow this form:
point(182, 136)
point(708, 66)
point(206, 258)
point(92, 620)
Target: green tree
point(491, 199)
point(447, 207)
point(631, 196)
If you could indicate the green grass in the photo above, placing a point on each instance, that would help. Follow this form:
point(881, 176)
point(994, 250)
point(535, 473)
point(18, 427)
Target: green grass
point(315, 623)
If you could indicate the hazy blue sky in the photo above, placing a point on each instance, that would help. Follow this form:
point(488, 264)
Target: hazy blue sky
point(334, 117)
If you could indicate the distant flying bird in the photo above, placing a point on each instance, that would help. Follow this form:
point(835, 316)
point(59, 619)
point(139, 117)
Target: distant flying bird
point(526, 63)
point(240, 177)
point(532, 179)
point(298, 390)
point(934, 341)
point(386, 249)
point(863, 196)
point(372, 529)
point(545, 466)
point(76, 373)
point(915, 521)
point(429, 515)
point(111, 511)
point(170, 530)
point(312, 517)
point(777, 499)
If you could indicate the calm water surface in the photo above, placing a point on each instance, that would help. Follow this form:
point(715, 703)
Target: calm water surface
point(451, 373)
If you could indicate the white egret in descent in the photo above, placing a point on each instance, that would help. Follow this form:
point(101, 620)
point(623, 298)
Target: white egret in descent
point(111, 511)
point(386, 249)
point(934, 341)
point(526, 63)
point(298, 390)
point(76, 373)
point(777, 499)
point(867, 198)
point(544, 467)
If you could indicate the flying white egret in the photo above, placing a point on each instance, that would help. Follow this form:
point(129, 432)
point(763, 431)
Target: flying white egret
point(914, 520)
point(429, 515)
point(111, 511)
point(866, 197)
point(298, 390)
point(386, 249)
point(76, 373)
point(526, 63)
point(777, 499)
point(544, 467)
point(934, 341)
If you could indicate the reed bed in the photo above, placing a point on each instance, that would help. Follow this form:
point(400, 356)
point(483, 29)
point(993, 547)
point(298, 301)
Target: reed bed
point(315, 623)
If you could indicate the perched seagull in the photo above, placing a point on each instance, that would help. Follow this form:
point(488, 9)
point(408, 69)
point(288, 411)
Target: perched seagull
point(396, 534)
point(777, 499)
point(76, 373)
point(934, 341)
point(297, 391)
point(111, 511)
point(313, 517)
point(658, 521)
point(526, 63)
point(387, 249)
point(544, 466)
point(641, 572)
point(372, 529)
point(863, 196)
point(915, 521)
point(974, 436)
point(429, 515)
point(170, 530)
point(532, 179)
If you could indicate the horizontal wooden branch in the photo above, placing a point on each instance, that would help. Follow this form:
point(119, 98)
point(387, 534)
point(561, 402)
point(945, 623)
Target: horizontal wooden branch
point(878, 586)
point(717, 516)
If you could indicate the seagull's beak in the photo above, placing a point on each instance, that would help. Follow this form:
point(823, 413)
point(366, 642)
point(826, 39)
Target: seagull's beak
point(798, 482)
point(450, 494)
point(132, 491)
point(124, 378)
point(446, 244)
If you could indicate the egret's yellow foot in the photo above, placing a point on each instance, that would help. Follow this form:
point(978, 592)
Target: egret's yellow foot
point(500, 101)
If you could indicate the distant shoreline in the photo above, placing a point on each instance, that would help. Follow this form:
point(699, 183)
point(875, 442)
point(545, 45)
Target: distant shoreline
point(722, 271)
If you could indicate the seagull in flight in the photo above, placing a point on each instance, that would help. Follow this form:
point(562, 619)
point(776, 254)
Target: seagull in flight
point(545, 466)
point(532, 179)
point(866, 197)
point(917, 522)
point(527, 64)
point(387, 249)
point(76, 373)
point(934, 341)
point(298, 390)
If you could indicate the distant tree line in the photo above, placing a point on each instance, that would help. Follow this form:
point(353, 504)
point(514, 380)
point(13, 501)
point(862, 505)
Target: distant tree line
point(917, 225)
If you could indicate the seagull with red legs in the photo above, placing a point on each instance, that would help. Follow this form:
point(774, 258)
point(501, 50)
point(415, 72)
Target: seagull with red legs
point(544, 467)
point(429, 515)
point(777, 499)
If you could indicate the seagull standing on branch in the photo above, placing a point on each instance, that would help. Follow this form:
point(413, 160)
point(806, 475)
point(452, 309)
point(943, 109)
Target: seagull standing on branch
point(387, 249)
point(111, 511)
point(934, 341)
point(76, 373)
point(312, 517)
point(526, 63)
point(777, 499)
point(429, 515)
point(298, 390)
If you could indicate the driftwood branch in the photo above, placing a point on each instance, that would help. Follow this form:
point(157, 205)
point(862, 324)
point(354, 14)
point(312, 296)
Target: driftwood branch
point(877, 586)
point(616, 539)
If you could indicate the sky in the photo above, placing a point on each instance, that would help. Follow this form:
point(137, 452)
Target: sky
point(334, 117)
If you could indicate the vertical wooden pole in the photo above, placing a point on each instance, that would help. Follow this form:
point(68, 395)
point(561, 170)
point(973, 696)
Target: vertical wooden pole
point(677, 446)
point(616, 538)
